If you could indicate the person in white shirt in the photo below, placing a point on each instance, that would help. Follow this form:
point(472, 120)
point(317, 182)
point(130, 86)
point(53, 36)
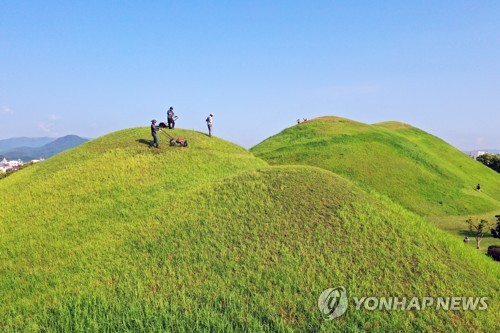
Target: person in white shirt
point(209, 124)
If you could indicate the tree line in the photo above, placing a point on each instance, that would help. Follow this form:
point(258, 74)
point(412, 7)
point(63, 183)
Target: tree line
point(479, 228)
point(491, 161)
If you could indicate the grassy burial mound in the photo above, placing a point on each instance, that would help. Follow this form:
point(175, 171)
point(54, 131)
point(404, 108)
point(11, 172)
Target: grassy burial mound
point(415, 169)
point(113, 236)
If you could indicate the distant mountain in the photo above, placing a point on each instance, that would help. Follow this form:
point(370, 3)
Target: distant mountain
point(14, 143)
point(54, 147)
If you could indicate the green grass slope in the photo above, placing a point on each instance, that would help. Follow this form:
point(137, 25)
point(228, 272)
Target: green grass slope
point(415, 169)
point(113, 236)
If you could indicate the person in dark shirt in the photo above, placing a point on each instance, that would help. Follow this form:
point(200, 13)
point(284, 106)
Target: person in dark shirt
point(170, 118)
point(154, 128)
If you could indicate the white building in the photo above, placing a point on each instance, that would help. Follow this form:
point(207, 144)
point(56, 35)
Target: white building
point(8, 165)
point(4, 165)
point(477, 153)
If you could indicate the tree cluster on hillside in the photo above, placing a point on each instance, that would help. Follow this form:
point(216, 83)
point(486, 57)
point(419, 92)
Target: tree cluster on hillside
point(494, 250)
point(11, 171)
point(496, 232)
point(3, 175)
point(491, 161)
point(478, 229)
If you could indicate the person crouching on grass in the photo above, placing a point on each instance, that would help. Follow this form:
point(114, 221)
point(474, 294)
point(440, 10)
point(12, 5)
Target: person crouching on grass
point(154, 128)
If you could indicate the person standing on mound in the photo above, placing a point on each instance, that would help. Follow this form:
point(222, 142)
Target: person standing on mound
point(209, 124)
point(153, 133)
point(170, 118)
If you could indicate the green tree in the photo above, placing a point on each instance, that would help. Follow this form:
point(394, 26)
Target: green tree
point(496, 231)
point(491, 161)
point(478, 228)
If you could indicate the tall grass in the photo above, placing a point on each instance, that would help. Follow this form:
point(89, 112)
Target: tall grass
point(415, 169)
point(113, 236)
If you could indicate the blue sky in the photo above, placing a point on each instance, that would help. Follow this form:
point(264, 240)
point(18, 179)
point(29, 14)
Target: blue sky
point(92, 67)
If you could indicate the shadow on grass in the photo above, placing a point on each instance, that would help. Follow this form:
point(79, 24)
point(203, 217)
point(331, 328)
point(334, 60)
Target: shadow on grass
point(465, 233)
point(144, 141)
point(471, 234)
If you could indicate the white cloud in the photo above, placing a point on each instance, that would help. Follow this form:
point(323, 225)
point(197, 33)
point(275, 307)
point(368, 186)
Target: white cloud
point(6, 109)
point(45, 127)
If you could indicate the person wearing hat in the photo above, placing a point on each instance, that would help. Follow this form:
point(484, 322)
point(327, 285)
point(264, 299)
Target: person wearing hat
point(209, 124)
point(170, 118)
point(153, 133)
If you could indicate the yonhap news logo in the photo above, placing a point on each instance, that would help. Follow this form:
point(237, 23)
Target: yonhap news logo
point(333, 303)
